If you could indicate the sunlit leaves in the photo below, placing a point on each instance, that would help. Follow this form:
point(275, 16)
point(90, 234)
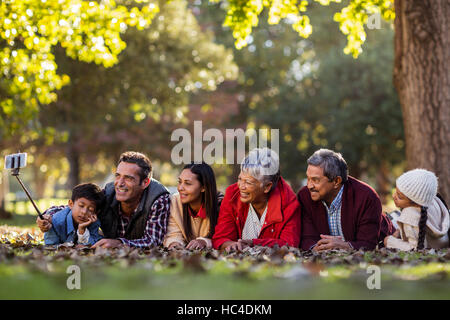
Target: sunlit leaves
point(243, 15)
point(29, 30)
point(353, 18)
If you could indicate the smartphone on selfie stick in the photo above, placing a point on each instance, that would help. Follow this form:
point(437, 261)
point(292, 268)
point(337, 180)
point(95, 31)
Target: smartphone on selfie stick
point(14, 162)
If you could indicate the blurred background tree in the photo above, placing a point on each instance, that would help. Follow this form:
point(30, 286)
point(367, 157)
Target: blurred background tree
point(185, 66)
point(317, 96)
point(421, 35)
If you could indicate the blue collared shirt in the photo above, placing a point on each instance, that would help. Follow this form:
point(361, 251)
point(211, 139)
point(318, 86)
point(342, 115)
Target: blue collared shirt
point(62, 229)
point(334, 214)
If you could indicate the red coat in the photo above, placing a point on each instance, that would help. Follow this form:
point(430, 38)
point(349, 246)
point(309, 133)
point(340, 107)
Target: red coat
point(360, 216)
point(281, 226)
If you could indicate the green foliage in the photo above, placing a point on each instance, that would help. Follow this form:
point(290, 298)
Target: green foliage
point(243, 15)
point(136, 103)
point(89, 31)
point(316, 95)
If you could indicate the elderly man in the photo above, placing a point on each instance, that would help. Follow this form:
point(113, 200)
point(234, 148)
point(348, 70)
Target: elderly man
point(137, 206)
point(338, 211)
point(260, 209)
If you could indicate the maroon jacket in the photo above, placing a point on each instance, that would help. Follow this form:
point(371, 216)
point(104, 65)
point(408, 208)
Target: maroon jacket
point(360, 216)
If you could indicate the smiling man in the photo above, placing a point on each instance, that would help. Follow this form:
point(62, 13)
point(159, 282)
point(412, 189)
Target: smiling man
point(136, 209)
point(137, 206)
point(338, 211)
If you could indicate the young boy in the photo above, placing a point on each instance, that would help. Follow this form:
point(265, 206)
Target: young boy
point(77, 222)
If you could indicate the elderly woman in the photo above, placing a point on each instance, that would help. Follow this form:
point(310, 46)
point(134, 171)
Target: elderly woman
point(260, 209)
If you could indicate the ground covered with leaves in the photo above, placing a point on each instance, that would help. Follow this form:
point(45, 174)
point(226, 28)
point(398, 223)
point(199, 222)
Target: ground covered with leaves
point(30, 270)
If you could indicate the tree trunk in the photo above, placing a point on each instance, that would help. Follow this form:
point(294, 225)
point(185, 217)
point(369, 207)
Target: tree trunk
point(421, 77)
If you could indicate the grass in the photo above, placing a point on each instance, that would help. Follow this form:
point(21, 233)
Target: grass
point(27, 271)
point(20, 220)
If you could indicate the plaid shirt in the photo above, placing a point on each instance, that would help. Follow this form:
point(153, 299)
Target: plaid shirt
point(156, 227)
point(334, 215)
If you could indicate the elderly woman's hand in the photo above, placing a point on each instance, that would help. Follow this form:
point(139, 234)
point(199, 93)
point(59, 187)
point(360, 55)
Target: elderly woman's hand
point(229, 246)
point(242, 244)
point(239, 245)
point(196, 244)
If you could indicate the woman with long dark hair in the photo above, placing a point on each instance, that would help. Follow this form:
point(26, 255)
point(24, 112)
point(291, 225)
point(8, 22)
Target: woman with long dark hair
point(194, 209)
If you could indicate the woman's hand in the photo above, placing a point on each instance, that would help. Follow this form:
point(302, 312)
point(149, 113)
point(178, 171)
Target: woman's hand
point(196, 244)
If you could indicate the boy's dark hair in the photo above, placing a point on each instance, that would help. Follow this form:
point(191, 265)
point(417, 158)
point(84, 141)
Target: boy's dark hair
point(141, 160)
point(90, 191)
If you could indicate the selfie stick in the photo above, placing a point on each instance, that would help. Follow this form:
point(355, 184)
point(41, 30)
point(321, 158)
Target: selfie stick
point(15, 173)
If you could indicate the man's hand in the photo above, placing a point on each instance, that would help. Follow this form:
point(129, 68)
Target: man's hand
point(331, 242)
point(196, 244)
point(175, 245)
point(44, 224)
point(107, 243)
point(82, 226)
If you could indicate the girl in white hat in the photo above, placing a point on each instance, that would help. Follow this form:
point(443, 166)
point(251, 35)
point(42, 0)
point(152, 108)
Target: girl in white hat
point(424, 220)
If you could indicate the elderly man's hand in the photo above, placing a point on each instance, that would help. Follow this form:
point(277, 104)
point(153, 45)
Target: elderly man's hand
point(107, 243)
point(44, 224)
point(331, 242)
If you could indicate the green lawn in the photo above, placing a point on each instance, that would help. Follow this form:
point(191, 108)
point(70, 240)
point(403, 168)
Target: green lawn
point(30, 271)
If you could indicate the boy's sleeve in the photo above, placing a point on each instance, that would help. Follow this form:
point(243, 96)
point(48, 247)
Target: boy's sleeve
point(94, 236)
point(50, 237)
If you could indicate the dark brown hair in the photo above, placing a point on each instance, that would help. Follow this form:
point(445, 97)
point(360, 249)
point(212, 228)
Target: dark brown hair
point(90, 191)
point(141, 160)
point(422, 225)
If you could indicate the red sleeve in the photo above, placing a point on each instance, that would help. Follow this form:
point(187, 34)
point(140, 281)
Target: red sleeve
point(226, 229)
point(309, 233)
point(290, 234)
point(368, 225)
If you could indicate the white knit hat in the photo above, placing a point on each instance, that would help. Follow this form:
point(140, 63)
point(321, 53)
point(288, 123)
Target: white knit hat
point(419, 185)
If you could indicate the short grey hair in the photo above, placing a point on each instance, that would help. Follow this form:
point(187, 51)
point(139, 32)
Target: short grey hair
point(263, 165)
point(332, 163)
